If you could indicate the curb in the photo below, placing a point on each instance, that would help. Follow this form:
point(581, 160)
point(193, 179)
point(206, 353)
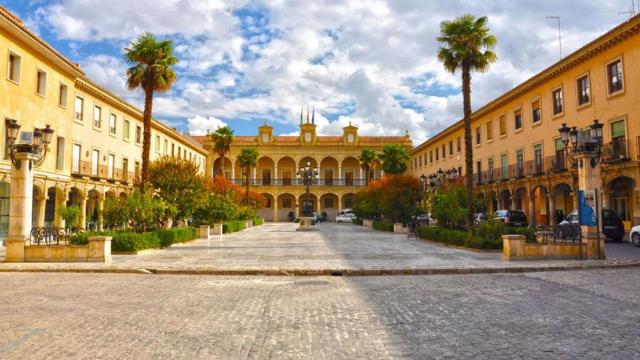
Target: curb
point(328, 272)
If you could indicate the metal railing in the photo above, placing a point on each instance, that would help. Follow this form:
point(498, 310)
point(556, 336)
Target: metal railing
point(300, 182)
point(616, 150)
point(51, 235)
point(84, 168)
point(553, 234)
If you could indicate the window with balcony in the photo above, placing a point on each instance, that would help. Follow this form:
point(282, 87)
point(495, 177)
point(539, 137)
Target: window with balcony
point(503, 125)
point(138, 134)
point(136, 170)
point(110, 162)
point(41, 83)
point(558, 101)
point(618, 148)
point(60, 153)
point(79, 108)
point(558, 160)
point(490, 170)
point(62, 95)
point(125, 169)
point(519, 163)
point(97, 117)
point(459, 144)
point(13, 71)
point(451, 147)
point(478, 135)
point(158, 144)
point(479, 172)
point(536, 114)
point(126, 125)
point(112, 124)
point(489, 131)
point(504, 166)
point(537, 162)
point(517, 119)
point(614, 76)
point(95, 161)
point(584, 94)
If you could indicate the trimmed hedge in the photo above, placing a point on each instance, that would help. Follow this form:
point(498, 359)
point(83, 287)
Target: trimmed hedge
point(383, 225)
point(357, 221)
point(446, 236)
point(485, 236)
point(258, 221)
point(126, 241)
point(233, 226)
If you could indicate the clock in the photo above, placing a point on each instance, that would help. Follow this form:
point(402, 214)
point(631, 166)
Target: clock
point(350, 138)
point(265, 138)
point(307, 137)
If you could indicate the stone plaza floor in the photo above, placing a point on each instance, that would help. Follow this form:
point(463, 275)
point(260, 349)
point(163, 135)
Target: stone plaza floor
point(554, 315)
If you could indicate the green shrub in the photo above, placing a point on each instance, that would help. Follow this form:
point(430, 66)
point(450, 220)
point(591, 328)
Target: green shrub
point(177, 235)
point(482, 243)
point(447, 236)
point(71, 215)
point(258, 221)
point(126, 241)
point(357, 221)
point(131, 242)
point(233, 226)
point(383, 225)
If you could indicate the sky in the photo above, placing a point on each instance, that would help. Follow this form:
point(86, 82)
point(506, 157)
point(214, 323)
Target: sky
point(371, 63)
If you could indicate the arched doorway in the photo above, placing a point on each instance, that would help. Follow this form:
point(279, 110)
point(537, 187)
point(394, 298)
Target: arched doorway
point(347, 201)
point(286, 204)
point(350, 171)
point(266, 212)
point(219, 169)
point(303, 198)
point(55, 200)
point(505, 200)
point(540, 208)
point(619, 198)
point(92, 215)
point(520, 200)
point(329, 205)
point(563, 202)
point(286, 170)
point(329, 171)
point(265, 171)
point(492, 202)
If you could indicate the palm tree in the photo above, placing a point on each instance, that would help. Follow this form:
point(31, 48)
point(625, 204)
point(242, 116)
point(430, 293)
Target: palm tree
point(151, 70)
point(248, 158)
point(394, 159)
point(222, 139)
point(366, 158)
point(467, 45)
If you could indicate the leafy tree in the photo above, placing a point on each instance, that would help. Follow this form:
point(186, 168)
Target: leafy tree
point(177, 182)
point(218, 208)
point(367, 158)
point(394, 198)
point(151, 71)
point(141, 210)
point(71, 215)
point(248, 159)
point(222, 139)
point(394, 159)
point(466, 45)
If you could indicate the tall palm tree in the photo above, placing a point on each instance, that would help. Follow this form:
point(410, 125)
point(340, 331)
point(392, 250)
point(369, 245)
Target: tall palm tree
point(151, 70)
point(222, 139)
point(367, 158)
point(248, 159)
point(394, 159)
point(466, 45)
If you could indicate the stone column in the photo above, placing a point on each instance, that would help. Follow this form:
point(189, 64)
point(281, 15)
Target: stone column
point(42, 205)
point(82, 221)
point(589, 178)
point(340, 180)
point(532, 208)
point(339, 203)
point(552, 209)
point(100, 216)
point(20, 208)
point(275, 209)
point(233, 172)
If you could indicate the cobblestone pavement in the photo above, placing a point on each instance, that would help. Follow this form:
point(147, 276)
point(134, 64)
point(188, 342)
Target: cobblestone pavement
point(559, 315)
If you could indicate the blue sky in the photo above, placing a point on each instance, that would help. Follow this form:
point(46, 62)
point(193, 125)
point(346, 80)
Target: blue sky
point(369, 62)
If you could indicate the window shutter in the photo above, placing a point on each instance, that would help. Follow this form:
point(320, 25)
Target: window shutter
point(617, 129)
point(559, 144)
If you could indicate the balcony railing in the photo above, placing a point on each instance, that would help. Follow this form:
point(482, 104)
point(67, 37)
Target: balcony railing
point(535, 167)
point(558, 162)
point(84, 168)
point(617, 150)
point(300, 182)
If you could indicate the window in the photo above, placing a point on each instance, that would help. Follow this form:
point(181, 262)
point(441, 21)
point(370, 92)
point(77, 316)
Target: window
point(75, 166)
point(479, 171)
point(138, 134)
point(478, 135)
point(328, 203)
point(125, 169)
point(504, 166)
point(125, 129)
point(503, 125)
point(348, 202)
point(451, 147)
point(431, 156)
point(444, 150)
point(557, 101)
point(614, 76)
point(286, 203)
point(62, 95)
point(136, 170)
point(166, 147)
point(617, 130)
point(60, 153)
point(79, 108)
point(179, 152)
point(520, 163)
point(110, 161)
point(535, 111)
point(517, 116)
point(489, 131)
point(268, 205)
point(437, 152)
point(112, 124)
point(459, 141)
point(537, 155)
point(158, 144)
point(490, 169)
point(583, 90)
point(41, 83)
point(13, 73)
point(97, 117)
point(173, 148)
point(95, 159)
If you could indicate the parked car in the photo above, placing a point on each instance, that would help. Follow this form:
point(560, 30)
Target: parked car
point(511, 217)
point(480, 217)
point(612, 226)
point(343, 217)
point(634, 235)
point(426, 219)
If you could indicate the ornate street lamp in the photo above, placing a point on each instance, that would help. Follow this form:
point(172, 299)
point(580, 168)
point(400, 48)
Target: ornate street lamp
point(40, 141)
point(588, 142)
point(307, 174)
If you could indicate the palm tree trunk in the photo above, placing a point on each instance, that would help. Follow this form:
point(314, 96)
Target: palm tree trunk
point(221, 170)
point(146, 135)
point(246, 193)
point(366, 175)
point(468, 146)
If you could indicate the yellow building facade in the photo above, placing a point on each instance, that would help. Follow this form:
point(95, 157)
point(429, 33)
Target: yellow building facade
point(96, 150)
point(340, 175)
point(518, 158)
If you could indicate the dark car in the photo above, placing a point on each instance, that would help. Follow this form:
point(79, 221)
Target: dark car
point(612, 226)
point(511, 217)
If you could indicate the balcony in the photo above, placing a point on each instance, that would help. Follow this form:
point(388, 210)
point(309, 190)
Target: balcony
point(557, 162)
point(84, 169)
point(516, 171)
point(616, 151)
point(535, 167)
point(300, 182)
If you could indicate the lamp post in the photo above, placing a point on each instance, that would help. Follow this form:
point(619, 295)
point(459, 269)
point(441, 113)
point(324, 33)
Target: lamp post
point(584, 149)
point(24, 155)
point(307, 174)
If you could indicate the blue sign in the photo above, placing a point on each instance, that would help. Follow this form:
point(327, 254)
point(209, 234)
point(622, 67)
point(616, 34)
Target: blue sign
point(587, 211)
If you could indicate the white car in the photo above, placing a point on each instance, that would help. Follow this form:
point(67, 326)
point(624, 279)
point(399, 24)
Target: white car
point(634, 235)
point(345, 217)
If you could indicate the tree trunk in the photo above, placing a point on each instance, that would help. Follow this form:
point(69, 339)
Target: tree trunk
point(468, 146)
point(366, 175)
point(221, 170)
point(146, 136)
point(246, 193)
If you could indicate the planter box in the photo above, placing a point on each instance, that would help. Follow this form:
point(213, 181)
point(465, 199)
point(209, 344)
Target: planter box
point(367, 223)
point(400, 228)
point(216, 229)
point(204, 231)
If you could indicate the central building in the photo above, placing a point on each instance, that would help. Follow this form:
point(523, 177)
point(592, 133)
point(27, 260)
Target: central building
point(280, 158)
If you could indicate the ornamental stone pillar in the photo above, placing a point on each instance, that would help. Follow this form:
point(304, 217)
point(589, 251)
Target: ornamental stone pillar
point(20, 207)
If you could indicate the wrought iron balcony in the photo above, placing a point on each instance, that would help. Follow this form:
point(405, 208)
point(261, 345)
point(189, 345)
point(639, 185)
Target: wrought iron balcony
point(300, 182)
point(616, 151)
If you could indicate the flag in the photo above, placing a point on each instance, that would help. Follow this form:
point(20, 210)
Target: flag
point(307, 114)
point(301, 111)
point(313, 115)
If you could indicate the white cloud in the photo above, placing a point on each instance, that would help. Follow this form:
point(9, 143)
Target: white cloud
point(199, 125)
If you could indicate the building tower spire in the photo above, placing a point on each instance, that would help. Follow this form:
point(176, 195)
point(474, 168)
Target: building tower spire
point(307, 113)
point(301, 111)
point(313, 115)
